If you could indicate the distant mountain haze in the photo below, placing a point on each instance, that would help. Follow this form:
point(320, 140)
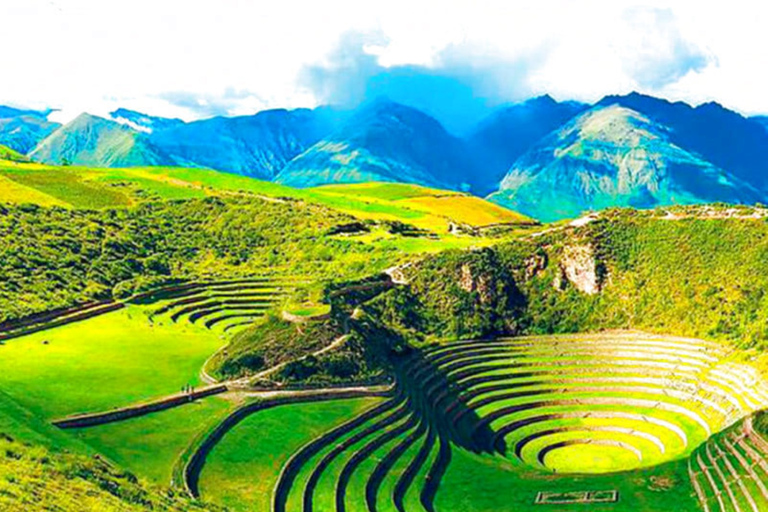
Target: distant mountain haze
point(22, 130)
point(259, 146)
point(545, 158)
point(383, 141)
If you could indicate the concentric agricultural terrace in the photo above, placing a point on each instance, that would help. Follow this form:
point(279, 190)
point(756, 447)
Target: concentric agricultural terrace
point(226, 305)
point(559, 407)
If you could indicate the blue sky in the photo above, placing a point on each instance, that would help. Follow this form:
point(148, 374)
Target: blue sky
point(457, 59)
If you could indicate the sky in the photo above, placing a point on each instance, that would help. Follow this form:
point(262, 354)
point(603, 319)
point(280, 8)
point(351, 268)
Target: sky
point(455, 59)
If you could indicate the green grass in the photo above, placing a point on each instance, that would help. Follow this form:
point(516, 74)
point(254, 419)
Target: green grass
point(106, 362)
point(308, 310)
point(24, 426)
point(381, 190)
point(66, 186)
point(242, 470)
point(99, 188)
point(9, 154)
point(33, 478)
point(486, 484)
point(150, 445)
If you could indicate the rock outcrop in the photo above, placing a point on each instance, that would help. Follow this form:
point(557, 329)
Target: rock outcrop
point(578, 267)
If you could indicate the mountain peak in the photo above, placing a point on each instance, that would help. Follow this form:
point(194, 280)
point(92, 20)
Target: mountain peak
point(618, 156)
point(383, 141)
point(143, 122)
point(544, 100)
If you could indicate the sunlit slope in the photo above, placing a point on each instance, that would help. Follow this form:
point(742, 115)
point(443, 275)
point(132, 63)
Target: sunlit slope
point(614, 156)
point(422, 206)
point(7, 153)
point(85, 187)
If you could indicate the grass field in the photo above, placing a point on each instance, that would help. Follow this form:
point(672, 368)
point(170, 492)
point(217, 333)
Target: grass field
point(149, 446)
point(242, 471)
point(480, 484)
point(106, 362)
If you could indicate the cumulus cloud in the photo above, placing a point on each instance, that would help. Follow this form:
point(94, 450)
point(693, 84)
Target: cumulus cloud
point(228, 103)
point(661, 54)
point(460, 86)
point(454, 58)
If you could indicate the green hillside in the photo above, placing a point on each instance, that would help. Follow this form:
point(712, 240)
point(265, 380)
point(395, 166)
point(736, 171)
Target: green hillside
point(370, 347)
point(86, 187)
point(613, 156)
point(32, 478)
point(93, 141)
point(693, 271)
point(9, 154)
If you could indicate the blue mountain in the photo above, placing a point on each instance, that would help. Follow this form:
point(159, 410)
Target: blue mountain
point(383, 141)
point(509, 132)
point(21, 130)
point(259, 145)
point(721, 136)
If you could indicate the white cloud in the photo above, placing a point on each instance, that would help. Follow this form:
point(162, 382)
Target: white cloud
point(171, 57)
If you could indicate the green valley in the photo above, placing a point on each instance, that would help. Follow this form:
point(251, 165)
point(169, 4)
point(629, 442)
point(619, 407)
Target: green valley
point(208, 341)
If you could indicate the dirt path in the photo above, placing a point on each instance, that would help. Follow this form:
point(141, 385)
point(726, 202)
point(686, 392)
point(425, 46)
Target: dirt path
point(213, 388)
point(270, 371)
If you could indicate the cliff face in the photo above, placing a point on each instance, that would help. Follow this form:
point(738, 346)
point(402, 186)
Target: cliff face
point(578, 267)
point(476, 282)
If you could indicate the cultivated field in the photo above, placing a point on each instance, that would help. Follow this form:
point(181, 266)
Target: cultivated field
point(500, 425)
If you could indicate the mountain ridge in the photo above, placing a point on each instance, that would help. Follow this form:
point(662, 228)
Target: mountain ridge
point(383, 141)
point(95, 141)
point(386, 141)
point(614, 156)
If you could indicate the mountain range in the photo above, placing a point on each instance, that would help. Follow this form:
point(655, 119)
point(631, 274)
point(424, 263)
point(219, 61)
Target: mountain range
point(544, 158)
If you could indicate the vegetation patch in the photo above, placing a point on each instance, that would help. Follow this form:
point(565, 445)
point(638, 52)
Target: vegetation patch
point(83, 367)
point(33, 478)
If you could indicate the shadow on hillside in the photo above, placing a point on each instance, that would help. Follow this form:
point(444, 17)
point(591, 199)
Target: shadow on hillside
point(438, 401)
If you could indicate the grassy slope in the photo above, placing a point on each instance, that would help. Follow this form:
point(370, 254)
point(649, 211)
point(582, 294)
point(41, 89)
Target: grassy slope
point(421, 206)
point(7, 153)
point(149, 446)
point(694, 277)
point(32, 478)
point(85, 366)
point(84, 254)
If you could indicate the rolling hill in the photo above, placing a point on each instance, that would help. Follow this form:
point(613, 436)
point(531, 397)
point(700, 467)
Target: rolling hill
point(383, 141)
point(83, 187)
